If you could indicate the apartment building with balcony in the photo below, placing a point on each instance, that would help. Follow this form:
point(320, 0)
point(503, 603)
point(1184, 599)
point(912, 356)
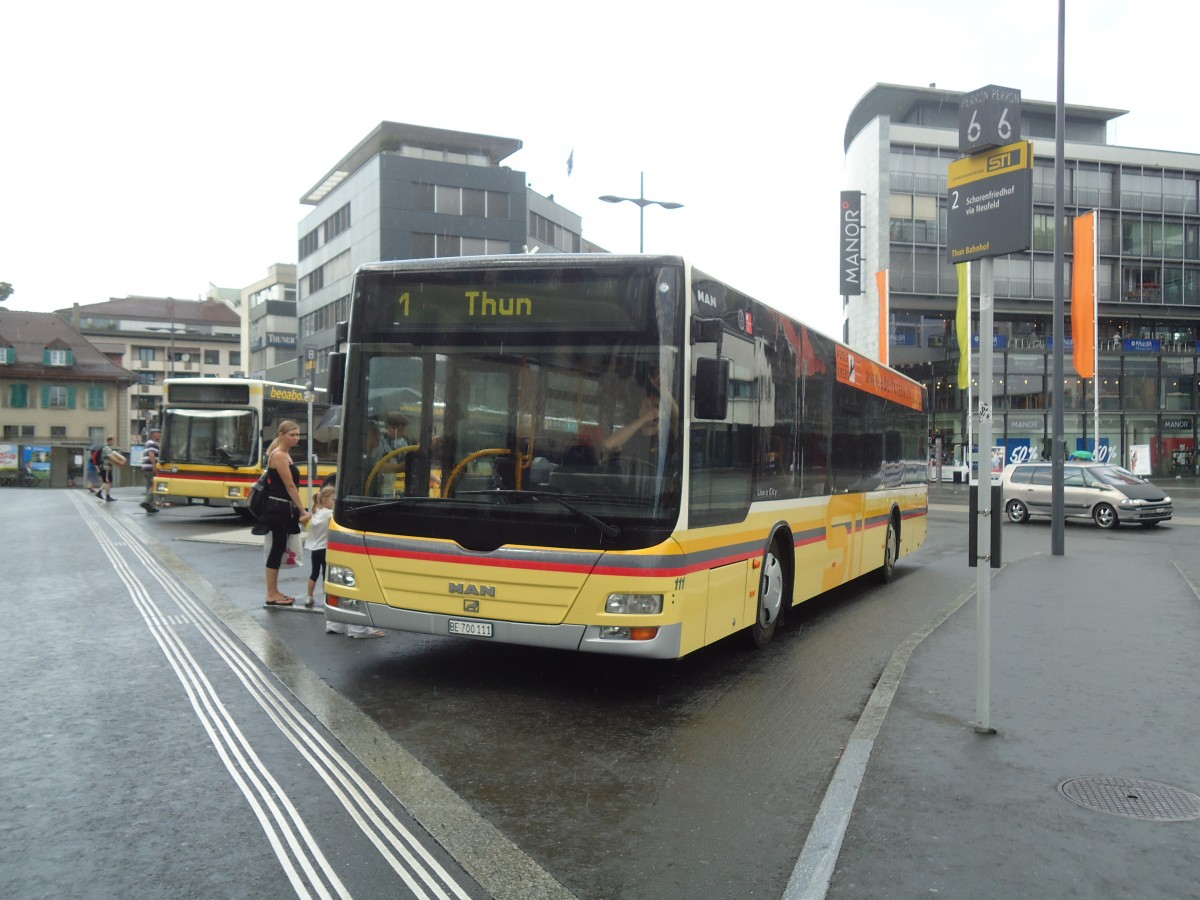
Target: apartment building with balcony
point(158, 338)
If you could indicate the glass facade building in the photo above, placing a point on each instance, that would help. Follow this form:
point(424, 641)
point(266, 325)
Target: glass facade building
point(899, 143)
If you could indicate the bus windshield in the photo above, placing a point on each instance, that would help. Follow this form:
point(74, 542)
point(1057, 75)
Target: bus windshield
point(510, 435)
point(225, 437)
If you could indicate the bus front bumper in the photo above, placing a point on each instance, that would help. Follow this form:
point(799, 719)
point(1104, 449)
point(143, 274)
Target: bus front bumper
point(584, 638)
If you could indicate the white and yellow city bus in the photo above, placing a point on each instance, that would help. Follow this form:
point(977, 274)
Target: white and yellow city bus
point(612, 454)
point(214, 432)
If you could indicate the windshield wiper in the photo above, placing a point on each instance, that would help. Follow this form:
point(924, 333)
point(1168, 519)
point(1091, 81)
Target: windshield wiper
point(606, 528)
point(381, 506)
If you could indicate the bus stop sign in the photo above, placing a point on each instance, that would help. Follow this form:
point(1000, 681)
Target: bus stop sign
point(989, 203)
point(989, 117)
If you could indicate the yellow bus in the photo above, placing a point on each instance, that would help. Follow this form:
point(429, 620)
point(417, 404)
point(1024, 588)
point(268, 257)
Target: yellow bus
point(214, 432)
point(609, 454)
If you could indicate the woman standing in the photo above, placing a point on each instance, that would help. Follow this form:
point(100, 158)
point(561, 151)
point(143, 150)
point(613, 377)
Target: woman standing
point(285, 510)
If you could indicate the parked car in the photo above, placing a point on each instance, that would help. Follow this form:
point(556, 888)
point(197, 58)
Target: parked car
point(1106, 494)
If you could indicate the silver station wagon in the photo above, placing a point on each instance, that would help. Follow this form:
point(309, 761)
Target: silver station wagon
point(1106, 494)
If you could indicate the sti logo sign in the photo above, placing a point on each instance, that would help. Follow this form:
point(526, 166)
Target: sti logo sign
point(851, 243)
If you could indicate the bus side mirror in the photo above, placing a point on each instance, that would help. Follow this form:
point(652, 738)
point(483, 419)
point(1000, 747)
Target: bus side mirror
point(707, 331)
point(712, 388)
point(337, 377)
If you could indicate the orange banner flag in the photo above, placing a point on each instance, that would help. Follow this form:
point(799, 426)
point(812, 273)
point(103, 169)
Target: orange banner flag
point(881, 282)
point(1083, 296)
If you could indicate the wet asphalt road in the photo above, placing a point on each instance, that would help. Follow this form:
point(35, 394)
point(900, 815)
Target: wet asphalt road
point(623, 778)
point(615, 778)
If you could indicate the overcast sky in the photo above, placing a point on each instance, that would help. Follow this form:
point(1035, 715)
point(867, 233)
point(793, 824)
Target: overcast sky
point(151, 148)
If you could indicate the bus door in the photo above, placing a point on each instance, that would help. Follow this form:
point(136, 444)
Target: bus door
point(480, 428)
point(407, 387)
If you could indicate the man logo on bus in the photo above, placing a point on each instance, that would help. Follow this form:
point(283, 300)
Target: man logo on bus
point(473, 590)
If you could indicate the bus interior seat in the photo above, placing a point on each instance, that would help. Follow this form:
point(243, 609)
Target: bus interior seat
point(540, 471)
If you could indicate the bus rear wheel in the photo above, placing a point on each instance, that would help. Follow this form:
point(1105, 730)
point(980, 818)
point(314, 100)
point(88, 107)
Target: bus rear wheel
point(772, 593)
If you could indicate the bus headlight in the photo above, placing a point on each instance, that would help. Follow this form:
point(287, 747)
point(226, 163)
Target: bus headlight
point(341, 575)
point(634, 604)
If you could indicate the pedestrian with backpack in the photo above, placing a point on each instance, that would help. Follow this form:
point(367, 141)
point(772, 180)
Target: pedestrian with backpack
point(92, 475)
point(106, 472)
point(150, 453)
point(284, 512)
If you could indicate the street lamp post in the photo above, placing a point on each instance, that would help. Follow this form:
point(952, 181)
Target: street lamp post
point(642, 203)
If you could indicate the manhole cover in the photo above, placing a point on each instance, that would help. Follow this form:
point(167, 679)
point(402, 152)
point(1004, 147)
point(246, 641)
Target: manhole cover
point(1132, 797)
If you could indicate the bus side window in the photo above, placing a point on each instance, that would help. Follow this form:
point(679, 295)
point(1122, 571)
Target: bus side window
point(721, 482)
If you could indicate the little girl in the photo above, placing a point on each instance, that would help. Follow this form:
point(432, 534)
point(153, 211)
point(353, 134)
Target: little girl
point(318, 537)
point(318, 540)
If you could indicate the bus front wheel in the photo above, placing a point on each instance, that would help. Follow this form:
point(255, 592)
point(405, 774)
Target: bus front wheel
point(772, 591)
point(891, 552)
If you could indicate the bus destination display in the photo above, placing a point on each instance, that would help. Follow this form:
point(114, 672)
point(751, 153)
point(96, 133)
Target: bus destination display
point(516, 306)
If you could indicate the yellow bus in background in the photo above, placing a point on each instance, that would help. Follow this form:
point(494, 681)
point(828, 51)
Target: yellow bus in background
point(609, 454)
point(214, 433)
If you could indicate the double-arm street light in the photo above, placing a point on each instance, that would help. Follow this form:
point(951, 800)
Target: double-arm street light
point(642, 203)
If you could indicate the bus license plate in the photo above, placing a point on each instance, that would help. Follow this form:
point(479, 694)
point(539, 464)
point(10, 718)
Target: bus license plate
point(471, 629)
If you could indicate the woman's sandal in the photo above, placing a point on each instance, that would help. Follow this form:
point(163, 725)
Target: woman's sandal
point(286, 601)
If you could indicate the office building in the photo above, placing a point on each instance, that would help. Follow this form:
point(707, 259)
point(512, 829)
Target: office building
point(268, 309)
point(408, 192)
point(899, 143)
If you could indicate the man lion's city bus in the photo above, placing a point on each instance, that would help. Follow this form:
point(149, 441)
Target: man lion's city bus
point(214, 432)
point(612, 454)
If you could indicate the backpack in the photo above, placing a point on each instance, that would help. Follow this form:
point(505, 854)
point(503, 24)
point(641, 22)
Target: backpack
point(96, 461)
point(257, 500)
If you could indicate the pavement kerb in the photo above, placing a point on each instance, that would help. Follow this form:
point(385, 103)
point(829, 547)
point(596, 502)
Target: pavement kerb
point(1187, 577)
point(814, 869)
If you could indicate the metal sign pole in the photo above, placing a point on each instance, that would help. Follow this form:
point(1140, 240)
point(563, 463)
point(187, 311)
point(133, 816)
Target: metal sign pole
point(311, 468)
point(983, 572)
point(989, 210)
point(310, 358)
